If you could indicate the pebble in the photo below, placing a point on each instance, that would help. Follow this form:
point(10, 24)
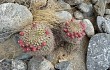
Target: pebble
point(85, 7)
point(63, 16)
point(100, 7)
point(89, 28)
point(103, 24)
point(64, 65)
point(78, 15)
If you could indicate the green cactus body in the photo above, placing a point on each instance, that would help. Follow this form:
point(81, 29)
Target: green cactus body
point(73, 31)
point(36, 37)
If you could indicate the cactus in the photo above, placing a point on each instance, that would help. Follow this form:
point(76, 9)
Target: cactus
point(36, 37)
point(73, 31)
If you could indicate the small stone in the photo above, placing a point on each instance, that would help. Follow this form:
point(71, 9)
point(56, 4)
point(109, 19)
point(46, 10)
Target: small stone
point(64, 65)
point(107, 11)
point(89, 27)
point(40, 63)
point(100, 7)
point(63, 16)
point(74, 2)
point(98, 55)
point(85, 7)
point(103, 24)
point(78, 15)
point(18, 65)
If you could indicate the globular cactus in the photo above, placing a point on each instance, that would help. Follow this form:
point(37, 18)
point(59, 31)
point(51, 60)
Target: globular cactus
point(37, 37)
point(73, 31)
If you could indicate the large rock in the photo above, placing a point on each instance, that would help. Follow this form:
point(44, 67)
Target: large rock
point(100, 7)
point(40, 63)
point(98, 55)
point(89, 28)
point(74, 2)
point(65, 65)
point(13, 18)
point(103, 24)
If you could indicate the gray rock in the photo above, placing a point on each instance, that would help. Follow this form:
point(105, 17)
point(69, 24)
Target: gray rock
point(107, 11)
point(18, 65)
point(89, 28)
point(65, 65)
point(85, 7)
point(13, 18)
point(63, 16)
point(98, 55)
point(5, 64)
point(40, 63)
point(100, 7)
point(103, 24)
point(78, 15)
point(74, 2)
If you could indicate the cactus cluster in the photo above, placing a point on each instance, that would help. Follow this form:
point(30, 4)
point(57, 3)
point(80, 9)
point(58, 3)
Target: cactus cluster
point(36, 37)
point(73, 31)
